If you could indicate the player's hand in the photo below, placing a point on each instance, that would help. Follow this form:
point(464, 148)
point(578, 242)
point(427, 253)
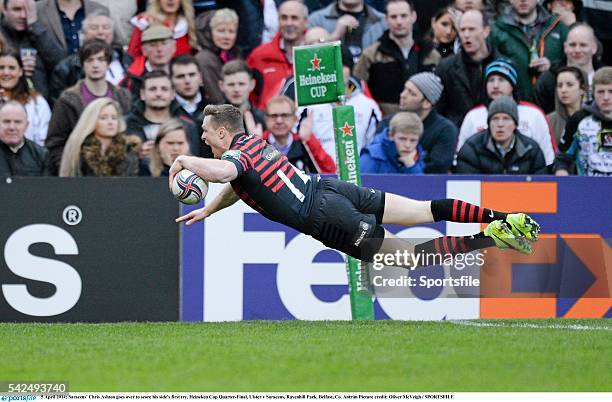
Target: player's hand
point(306, 127)
point(194, 216)
point(542, 64)
point(251, 126)
point(176, 167)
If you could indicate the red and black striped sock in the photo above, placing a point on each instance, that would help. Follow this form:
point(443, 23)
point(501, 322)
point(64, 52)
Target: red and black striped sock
point(460, 211)
point(455, 244)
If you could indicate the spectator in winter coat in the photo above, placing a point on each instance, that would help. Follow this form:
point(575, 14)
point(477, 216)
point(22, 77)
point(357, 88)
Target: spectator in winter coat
point(18, 155)
point(500, 149)
point(398, 149)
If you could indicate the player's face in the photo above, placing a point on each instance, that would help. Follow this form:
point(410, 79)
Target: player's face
point(502, 128)
point(580, 47)
point(13, 124)
point(568, 89)
point(400, 19)
point(411, 99)
point(237, 87)
point(280, 119)
point(292, 22)
point(224, 35)
point(95, 67)
point(187, 80)
point(405, 142)
point(100, 27)
point(159, 52)
point(498, 86)
point(603, 98)
point(210, 135)
point(157, 93)
point(172, 146)
point(107, 125)
point(10, 72)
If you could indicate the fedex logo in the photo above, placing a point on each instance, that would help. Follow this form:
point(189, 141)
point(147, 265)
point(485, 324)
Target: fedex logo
point(238, 265)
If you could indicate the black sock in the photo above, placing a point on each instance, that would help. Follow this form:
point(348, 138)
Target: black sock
point(460, 211)
point(455, 244)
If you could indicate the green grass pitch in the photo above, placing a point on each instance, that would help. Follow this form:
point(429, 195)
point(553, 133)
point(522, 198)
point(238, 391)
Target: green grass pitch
point(313, 356)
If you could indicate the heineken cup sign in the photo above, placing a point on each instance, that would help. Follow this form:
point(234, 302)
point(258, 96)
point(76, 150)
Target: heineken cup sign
point(318, 73)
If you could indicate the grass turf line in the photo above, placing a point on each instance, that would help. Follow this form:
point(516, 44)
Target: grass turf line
point(310, 356)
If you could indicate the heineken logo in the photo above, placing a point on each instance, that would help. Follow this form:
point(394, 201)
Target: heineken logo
point(347, 129)
point(316, 63)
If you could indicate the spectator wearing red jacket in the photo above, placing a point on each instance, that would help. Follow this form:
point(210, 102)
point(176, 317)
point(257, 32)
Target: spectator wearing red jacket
point(178, 16)
point(273, 61)
point(302, 149)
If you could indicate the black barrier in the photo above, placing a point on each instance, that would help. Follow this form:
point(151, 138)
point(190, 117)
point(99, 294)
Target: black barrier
point(88, 249)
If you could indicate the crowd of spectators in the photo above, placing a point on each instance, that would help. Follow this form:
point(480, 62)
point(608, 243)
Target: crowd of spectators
point(118, 87)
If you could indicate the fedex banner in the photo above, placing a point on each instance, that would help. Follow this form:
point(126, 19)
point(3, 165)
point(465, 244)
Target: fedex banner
point(237, 265)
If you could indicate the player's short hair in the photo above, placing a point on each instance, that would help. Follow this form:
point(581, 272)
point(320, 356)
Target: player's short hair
point(603, 76)
point(94, 46)
point(235, 67)
point(224, 16)
point(282, 99)
point(228, 116)
point(406, 122)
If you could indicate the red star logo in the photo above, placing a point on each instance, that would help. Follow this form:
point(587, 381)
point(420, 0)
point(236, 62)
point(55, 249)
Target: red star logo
point(347, 130)
point(316, 63)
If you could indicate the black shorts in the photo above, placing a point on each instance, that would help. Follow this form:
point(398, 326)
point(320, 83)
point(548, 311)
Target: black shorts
point(347, 218)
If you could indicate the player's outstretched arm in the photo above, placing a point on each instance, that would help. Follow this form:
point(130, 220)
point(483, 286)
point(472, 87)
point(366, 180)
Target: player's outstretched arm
point(212, 170)
point(227, 197)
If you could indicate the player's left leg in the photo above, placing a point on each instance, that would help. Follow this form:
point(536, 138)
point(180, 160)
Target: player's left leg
point(405, 211)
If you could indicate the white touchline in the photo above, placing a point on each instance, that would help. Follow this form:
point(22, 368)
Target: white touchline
point(518, 325)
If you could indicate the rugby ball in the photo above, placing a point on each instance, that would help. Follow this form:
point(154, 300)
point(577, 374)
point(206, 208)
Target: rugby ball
point(188, 187)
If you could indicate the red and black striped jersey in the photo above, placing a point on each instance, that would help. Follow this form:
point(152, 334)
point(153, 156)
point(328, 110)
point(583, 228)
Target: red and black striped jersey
point(269, 183)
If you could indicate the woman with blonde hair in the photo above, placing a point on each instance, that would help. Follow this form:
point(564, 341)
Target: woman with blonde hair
point(170, 142)
point(98, 146)
point(217, 32)
point(178, 15)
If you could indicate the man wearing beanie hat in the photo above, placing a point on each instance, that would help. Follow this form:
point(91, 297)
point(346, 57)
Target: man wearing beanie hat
point(501, 80)
point(501, 149)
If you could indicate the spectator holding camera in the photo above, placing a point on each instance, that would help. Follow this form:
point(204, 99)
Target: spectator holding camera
point(14, 86)
point(397, 150)
point(501, 148)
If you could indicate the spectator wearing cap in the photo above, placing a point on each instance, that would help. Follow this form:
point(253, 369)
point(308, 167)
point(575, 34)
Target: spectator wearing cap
point(178, 16)
point(396, 56)
point(461, 74)
point(532, 38)
point(501, 80)
point(95, 56)
point(98, 24)
point(158, 46)
point(367, 112)
point(501, 148)
point(398, 150)
point(420, 95)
